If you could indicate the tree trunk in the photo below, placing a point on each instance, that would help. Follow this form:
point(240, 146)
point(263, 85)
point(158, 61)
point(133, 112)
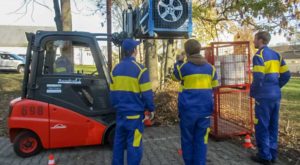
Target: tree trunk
point(151, 61)
point(66, 15)
point(163, 64)
point(66, 19)
point(169, 58)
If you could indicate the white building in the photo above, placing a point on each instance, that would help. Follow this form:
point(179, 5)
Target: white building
point(13, 38)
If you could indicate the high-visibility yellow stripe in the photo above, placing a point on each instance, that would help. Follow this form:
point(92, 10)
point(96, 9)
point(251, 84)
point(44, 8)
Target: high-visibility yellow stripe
point(141, 69)
point(214, 72)
point(283, 69)
point(60, 69)
point(179, 72)
point(258, 56)
point(206, 136)
point(261, 53)
point(141, 73)
point(180, 88)
point(182, 64)
point(137, 138)
point(197, 81)
point(146, 86)
point(133, 117)
point(179, 68)
point(272, 66)
point(215, 83)
point(125, 83)
point(137, 65)
point(258, 68)
point(174, 77)
point(255, 121)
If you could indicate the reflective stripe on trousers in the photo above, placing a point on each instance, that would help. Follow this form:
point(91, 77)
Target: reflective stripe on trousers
point(266, 128)
point(129, 130)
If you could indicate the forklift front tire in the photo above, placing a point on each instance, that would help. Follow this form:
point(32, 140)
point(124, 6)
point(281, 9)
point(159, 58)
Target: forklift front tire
point(27, 144)
point(111, 136)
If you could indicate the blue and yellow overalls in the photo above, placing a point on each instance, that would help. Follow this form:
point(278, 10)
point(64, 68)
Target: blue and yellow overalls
point(131, 94)
point(270, 73)
point(195, 104)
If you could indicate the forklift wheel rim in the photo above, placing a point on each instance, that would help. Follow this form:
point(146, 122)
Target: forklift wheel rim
point(28, 145)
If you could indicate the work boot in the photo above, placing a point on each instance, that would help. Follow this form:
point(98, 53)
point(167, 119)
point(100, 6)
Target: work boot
point(260, 160)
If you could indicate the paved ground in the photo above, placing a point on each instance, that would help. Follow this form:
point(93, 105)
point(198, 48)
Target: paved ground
point(161, 146)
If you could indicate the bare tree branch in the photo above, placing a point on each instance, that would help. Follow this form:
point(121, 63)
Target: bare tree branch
point(19, 8)
point(32, 11)
point(41, 4)
point(25, 5)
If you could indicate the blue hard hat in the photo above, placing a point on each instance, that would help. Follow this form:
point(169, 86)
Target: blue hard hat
point(129, 44)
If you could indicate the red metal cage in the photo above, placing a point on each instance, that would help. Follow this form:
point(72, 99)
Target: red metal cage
point(233, 110)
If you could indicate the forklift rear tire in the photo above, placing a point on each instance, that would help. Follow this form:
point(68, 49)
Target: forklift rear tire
point(111, 136)
point(27, 144)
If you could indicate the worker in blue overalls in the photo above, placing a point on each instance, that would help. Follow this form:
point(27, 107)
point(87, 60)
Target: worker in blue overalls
point(131, 95)
point(270, 73)
point(195, 102)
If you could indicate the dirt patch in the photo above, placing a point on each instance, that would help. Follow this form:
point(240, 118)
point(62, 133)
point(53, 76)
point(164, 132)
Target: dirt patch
point(6, 97)
point(10, 88)
point(166, 104)
point(289, 143)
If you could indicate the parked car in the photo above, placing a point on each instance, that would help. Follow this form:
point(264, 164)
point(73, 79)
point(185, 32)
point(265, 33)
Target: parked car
point(22, 55)
point(11, 62)
point(159, 19)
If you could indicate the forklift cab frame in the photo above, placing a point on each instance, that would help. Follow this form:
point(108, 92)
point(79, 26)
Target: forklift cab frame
point(62, 89)
point(61, 109)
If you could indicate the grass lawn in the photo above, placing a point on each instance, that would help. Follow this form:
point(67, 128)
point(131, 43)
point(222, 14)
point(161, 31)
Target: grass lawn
point(87, 69)
point(10, 82)
point(290, 107)
point(290, 114)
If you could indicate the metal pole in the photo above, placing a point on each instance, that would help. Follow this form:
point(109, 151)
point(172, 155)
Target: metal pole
point(109, 45)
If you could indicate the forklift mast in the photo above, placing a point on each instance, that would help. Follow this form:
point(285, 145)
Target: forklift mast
point(30, 39)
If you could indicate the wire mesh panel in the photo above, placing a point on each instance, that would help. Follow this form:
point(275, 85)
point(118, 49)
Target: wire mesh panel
point(233, 111)
point(233, 114)
point(207, 52)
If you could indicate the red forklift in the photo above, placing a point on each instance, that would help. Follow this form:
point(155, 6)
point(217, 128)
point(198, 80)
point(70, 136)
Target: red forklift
point(61, 107)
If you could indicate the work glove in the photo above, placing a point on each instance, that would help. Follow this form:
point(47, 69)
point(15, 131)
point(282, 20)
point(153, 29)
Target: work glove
point(149, 115)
